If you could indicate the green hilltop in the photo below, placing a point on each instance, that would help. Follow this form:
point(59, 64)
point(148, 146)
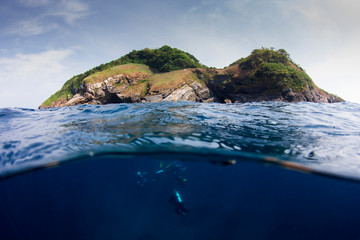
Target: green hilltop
point(276, 68)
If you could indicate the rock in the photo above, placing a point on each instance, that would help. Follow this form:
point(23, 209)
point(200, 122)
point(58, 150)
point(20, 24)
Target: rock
point(124, 98)
point(88, 96)
point(75, 100)
point(288, 95)
point(134, 87)
point(154, 98)
point(185, 93)
point(203, 93)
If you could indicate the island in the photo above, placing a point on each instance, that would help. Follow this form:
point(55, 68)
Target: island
point(169, 74)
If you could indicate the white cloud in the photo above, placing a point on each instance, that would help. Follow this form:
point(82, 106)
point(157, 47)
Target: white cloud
point(32, 27)
point(55, 14)
point(26, 80)
point(25, 64)
point(69, 10)
point(328, 19)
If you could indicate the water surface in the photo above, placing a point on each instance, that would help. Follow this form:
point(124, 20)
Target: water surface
point(181, 171)
point(321, 136)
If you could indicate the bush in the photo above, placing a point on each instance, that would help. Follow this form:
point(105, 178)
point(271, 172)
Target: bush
point(164, 59)
point(275, 69)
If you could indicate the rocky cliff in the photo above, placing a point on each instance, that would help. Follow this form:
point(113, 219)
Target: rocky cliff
point(265, 75)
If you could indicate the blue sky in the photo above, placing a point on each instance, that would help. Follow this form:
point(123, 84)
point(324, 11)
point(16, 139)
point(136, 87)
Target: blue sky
point(43, 43)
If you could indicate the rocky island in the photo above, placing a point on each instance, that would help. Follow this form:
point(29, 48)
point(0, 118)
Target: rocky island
point(169, 74)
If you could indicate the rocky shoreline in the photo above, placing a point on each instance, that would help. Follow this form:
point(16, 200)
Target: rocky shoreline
point(108, 91)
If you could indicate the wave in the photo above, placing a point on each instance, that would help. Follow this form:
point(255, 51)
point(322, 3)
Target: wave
point(320, 137)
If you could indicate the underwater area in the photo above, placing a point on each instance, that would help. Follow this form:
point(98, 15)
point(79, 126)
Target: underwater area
point(181, 171)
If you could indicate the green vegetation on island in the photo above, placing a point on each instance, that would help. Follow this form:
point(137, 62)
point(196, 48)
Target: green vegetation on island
point(266, 74)
point(276, 68)
point(164, 59)
point(120, 69)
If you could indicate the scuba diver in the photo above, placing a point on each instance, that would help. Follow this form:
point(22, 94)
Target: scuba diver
point(173, 169)
point(179, 206)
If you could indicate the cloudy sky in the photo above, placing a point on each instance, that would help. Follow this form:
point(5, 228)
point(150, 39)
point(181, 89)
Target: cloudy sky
point(43, 43)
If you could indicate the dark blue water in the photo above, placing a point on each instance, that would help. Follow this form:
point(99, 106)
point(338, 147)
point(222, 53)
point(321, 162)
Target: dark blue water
point(114, 171)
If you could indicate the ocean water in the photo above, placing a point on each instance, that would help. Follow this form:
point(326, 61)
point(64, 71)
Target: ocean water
point(181, 171)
